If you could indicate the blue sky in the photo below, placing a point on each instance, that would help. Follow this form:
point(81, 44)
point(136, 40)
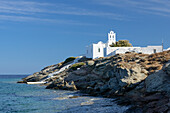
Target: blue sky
point(38, 33)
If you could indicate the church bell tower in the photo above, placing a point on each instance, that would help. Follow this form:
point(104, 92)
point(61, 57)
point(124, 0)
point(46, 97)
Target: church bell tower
point(111, 38)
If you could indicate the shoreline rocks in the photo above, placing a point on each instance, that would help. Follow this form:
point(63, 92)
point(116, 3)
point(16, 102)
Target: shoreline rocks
point(140, 80)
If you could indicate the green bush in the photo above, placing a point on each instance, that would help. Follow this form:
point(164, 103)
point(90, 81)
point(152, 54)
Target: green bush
point(77, 65)
point(122, 43)
point(69, 60)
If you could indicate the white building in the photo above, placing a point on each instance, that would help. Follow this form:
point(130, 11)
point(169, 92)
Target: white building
point(103, 49)
point(168, 49)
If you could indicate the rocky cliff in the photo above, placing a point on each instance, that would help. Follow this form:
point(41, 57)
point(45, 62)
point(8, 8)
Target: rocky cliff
point(139, 80)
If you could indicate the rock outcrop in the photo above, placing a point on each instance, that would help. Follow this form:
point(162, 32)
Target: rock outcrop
point(140, 80)
point(152, 95)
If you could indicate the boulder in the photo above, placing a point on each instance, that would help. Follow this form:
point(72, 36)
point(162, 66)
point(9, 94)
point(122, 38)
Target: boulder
point(134, 75)
point(113, 84)
point(62, 85)
point(90, 63)
point(55, 85)
point(70, 86)
point(166, 68)
point(159, 81)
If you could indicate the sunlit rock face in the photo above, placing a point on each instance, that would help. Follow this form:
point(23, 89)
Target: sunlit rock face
point(132, 76)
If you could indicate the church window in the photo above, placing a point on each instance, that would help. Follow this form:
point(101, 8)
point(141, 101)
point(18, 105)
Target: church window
point(99, 50)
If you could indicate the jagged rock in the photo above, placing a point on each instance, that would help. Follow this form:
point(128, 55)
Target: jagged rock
point(35, 77)
point(98, 86)
point(72, 77)
point(70, 86)
point(138, 78)
point(62, 85)
point(83, 59)
point(98, 71)
point(159, 81)
point(144, 71)
point(113, 84)
point(104, 88)
point(134, 75)
point(80, 72)
point(109, 74)
point(167, 68)
point(56, 85)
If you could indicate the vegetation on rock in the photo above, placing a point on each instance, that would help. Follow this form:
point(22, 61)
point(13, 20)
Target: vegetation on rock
point(77, 65)
point(122, 43)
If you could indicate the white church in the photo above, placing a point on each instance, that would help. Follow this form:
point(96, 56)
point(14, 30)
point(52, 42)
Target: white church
point(103, 49)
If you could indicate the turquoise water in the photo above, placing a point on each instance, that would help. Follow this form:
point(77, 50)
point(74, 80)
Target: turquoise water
point(23, 98)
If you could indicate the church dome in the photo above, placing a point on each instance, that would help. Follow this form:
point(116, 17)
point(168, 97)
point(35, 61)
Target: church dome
point(111, 32)
point(100, 42)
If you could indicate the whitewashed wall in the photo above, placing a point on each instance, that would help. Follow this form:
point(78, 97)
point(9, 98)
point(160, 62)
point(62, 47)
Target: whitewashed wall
point(144, 50)
point(96, 53)
point(120, 50)
point(150, 49)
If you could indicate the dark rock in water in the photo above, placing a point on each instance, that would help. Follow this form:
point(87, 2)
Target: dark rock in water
point(21, 82)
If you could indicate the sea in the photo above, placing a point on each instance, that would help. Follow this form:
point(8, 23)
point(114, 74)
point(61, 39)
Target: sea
point(24, 98)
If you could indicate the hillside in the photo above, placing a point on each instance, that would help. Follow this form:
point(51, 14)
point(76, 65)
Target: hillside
point(140, 80)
